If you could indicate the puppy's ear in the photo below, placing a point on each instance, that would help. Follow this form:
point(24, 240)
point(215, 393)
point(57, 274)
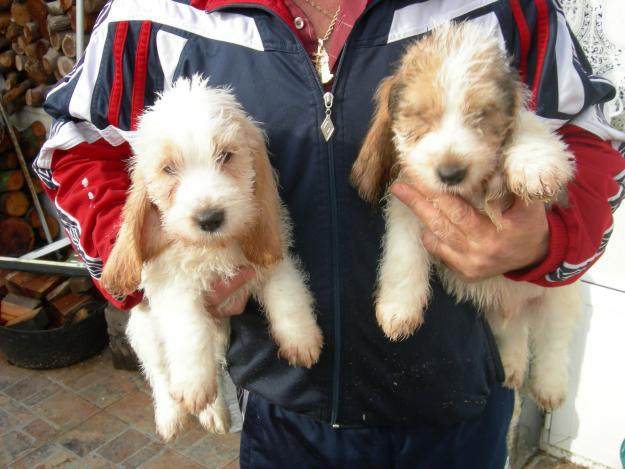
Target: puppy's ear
point(373, 167)
point(262, 243)
point(138, 240)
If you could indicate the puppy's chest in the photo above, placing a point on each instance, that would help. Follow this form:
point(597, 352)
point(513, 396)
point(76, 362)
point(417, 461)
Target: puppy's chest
point(191, 266)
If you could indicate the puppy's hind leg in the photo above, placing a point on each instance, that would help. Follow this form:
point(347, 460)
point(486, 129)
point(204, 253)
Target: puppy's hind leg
point(551, 335)
point(187, 332)
point(512, 334)
point(404, 276)
point(143, 337)
point(289, 307)
point(215, 417)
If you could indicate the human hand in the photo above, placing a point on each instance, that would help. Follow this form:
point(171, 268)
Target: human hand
point(227, 298)
point(468, 242)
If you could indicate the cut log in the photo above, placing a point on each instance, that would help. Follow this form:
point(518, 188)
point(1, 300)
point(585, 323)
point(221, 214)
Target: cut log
point(11, 95)
point(35, 71)
point(16, 105)
point(5, 139)
point(11, 180)
point(36, 320)
point(56, 39)
point(37, 49)
point(14, 305)
point(20, 61)
point(94, 6)
point(31, 139)
point(19, 12)
point(38, 9)
point(16, 237)
point(80, 284)
point(17, 46)
point(11, 79)
point(50, 59)
point(4, 43)
point(54, 8)
point(13, 31)
point(64, 65)
point(31, 284)
point(89, 19)
point(7, 59)
point(68, 45)
point(60, 290)
point(67, 4)
point(58, 23)
point(5, 21)
point(53, 226)
point(14, 203)
point(5, 5)
point(32, 32)
point(8, 160)
point(69, 303)
point(36, 96)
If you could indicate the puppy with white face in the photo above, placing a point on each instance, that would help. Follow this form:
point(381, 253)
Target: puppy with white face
point(203, 203)
point(453, 118)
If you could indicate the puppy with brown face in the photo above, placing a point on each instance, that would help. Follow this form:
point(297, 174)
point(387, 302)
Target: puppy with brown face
point(203, 203)
point(453, 118)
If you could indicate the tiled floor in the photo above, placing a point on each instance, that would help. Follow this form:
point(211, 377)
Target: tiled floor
point(93, 416)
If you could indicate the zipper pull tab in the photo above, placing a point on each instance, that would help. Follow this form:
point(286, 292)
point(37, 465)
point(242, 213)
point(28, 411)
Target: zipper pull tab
point(327, 126)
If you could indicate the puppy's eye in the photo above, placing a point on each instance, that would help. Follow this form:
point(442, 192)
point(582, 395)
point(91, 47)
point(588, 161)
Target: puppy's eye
point(224, 157)
point(169, 170)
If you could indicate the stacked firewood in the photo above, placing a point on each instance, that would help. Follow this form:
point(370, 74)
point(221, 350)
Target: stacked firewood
point(38, 46)
point(20, 227)
point(42, 301)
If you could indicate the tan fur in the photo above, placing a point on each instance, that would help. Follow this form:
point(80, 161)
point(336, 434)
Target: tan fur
point(138, 241)
point(262, 244)
point(373, 168)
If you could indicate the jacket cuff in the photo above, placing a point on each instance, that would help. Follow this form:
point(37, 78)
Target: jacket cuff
point(558, 247)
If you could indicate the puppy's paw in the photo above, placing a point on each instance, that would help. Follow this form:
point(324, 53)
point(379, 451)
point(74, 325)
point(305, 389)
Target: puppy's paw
point(170, 418)
point(215, 419)
point(399, 321)
point(302, 347)
point(193, 392)
point(541, 178)
point(549, 389)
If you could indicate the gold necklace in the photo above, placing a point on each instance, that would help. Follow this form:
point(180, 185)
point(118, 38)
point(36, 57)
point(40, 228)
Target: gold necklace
point(322, 60)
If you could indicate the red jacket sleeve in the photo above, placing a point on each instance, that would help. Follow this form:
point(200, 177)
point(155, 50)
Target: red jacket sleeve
point(83, 162)
point(579, 232)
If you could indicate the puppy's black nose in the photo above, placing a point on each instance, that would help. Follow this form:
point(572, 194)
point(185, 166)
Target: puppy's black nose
point(210, 220)
point(452, 174)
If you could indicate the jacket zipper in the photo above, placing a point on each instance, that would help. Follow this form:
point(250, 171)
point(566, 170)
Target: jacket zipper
point(328, 102)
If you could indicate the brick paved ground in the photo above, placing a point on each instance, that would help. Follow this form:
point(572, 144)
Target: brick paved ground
point(93, 416)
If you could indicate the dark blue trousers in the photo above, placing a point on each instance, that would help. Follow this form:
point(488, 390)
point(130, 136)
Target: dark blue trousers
point(274, 438)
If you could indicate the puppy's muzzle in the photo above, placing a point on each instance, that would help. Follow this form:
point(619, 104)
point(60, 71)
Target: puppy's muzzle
point(210, 220)
point(451, 174)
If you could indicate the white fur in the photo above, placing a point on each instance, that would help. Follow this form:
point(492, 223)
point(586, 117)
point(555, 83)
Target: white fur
point(536, 166)
point(182, 347)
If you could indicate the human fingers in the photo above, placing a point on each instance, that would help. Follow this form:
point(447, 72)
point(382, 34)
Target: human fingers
point(223, 289)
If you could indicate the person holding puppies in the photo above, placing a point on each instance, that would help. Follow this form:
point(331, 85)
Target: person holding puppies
point(307, 70)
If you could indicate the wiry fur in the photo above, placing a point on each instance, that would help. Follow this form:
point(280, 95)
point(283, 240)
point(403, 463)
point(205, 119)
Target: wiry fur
point(196, 150)
point(455, 102)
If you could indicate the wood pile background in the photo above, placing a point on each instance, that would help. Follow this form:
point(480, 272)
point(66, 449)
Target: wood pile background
point(38, 46)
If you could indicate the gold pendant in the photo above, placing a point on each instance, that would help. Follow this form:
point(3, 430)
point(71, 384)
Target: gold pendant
point(322, 64)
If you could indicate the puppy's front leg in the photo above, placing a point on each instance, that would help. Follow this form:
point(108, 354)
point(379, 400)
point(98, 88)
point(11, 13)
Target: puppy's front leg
point(187, 332)
point(289, 308)
point(404, 276)
point(536, 162)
